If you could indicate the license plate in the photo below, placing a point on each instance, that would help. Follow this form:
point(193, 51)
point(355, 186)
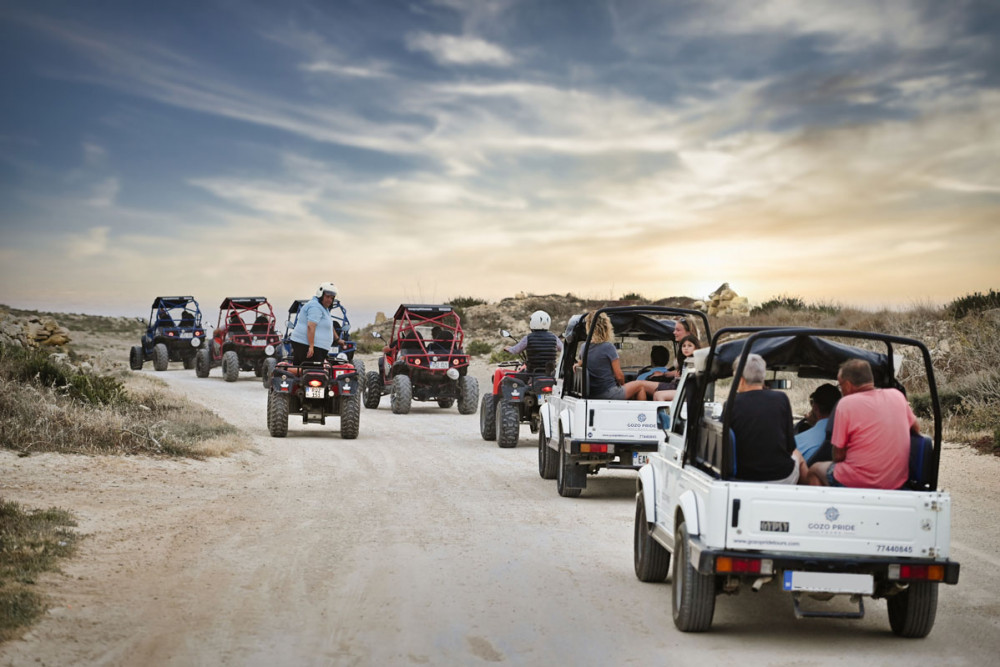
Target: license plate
point(315, 392)
point(259, 341)
point(829, 582)
point(640, 458)
point(187, 335)
point(439, 364)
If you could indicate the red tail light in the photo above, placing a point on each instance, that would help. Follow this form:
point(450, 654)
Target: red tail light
point(921, 572)
point(546, 390)
point(315, 383)
point(737, 565)
point(587, 448)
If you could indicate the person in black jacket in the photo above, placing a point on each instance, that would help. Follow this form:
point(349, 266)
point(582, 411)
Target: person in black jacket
point(762, 425)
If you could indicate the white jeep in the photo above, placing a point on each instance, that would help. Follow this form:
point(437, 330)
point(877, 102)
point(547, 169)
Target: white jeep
point(580, 435)
point(818, 543)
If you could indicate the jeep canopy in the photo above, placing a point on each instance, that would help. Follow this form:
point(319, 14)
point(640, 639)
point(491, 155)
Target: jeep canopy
point(643, 322)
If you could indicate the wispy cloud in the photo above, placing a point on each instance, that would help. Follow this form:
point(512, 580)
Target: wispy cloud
point(459, 50)
point(350, 71)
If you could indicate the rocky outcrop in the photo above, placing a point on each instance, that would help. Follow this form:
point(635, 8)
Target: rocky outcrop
point(32, 331)
point(725, 302)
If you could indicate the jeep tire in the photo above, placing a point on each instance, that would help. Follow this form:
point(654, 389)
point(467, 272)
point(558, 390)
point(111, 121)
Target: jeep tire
point(693, 595)
point(401, 395)
point(651, 559)
point(548, 460)
point(135, 358)
point(202, 362)
point(912, 611)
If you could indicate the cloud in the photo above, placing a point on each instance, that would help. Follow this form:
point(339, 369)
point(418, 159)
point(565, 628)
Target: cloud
point(454, 50)
point(94, 242)
point(103, 194)
point(350, 71)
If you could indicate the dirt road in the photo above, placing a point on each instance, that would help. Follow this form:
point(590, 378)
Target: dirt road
point(419, 543)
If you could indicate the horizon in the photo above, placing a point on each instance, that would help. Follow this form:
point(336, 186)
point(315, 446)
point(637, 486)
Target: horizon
point(430, 150)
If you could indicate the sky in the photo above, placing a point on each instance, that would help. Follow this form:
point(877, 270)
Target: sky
point(833, 150)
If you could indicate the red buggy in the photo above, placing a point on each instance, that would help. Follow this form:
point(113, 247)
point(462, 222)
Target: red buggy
point(244, 339)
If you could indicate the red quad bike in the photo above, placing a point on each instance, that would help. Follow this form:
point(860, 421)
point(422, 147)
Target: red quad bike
point(244, 339)
point(515, 399)
point(315, 390)
point(423, 361)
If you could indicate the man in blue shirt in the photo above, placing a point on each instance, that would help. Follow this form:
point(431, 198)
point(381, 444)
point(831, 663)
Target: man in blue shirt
point(823, 400)
point(313, 334)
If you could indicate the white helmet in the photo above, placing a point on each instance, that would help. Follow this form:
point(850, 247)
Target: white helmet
point(326, 287)
point(540, 321)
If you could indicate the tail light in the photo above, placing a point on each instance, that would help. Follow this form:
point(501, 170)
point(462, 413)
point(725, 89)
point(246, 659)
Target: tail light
point(170, 334)
point(547, 389)
point(917, 572)
point(730, 565)
point(315, 383)
point(588, 448)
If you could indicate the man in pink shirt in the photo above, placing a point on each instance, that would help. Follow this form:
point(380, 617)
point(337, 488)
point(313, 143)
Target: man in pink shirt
point(871, 434)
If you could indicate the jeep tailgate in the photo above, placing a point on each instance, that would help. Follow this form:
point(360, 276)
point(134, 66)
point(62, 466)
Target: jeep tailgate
point(622, 420)
point(823, 520)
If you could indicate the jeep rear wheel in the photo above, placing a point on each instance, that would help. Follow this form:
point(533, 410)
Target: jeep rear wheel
point(350, 416)
point(912, 612)
point(373, 390)
point(445, 402)
point(562, 471)
point(277, 414)
point(401, 395)
point(161, 357)
point(548, 461)
point(651, 559)
point(268, 370)
point(135, 358)
point(508, 427)
point(230, 366)
point(693, 595)
point(468, 395)
point(487, 418)
point(202, 363)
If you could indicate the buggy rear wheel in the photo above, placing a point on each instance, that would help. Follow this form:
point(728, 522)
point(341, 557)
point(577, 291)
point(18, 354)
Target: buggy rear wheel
point(547, 459)
point(277, 414)
point(161, 357)
point(268, 370)
point(230, 366)
point(468, 395)
point(402, 394)
point(373, 390)
point(359, 368)
point(135, 358)
point(350, 416)
point(188, 362)
point(202, 363)
point(508, 426)
point(487, 418)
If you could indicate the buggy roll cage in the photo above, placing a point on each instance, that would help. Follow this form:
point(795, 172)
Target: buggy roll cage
point(249, 304)
point(803, 351)
point(169, 303)
point(624, 319)
point(337, 313)
point(409, 316)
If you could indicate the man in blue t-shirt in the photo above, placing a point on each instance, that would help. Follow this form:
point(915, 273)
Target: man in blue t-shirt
point(313, 334)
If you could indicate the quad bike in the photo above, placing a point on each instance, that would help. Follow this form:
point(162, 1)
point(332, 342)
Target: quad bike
point(314, 390)
point(340, 324)
point(516, 397)
point(423, 360)
point(173, 333)
point(244, 339)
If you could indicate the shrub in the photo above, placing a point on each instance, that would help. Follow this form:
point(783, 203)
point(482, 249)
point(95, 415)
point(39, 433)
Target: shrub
point(465, 302)
point(478, 347)
point(37, 366)
point(502, 355)
point(793, 304)
point(973, 303)
point(632, 296)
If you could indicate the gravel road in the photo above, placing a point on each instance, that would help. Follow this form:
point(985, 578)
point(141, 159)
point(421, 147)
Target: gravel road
point(419, 544)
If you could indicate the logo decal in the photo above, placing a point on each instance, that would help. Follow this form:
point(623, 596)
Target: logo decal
point(641, 417)
point(832, 514)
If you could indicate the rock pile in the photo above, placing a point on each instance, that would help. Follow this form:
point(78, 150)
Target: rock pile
point(32, 331)
point(724, 301)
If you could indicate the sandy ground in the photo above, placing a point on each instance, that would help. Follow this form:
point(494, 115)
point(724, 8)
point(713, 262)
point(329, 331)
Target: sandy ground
point(419, 543)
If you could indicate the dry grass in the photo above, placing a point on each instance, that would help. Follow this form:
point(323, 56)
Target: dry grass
point(31, 542)
point(47, 407)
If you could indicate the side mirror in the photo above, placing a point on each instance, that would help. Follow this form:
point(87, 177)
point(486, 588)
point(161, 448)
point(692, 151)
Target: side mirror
point(376, 334)
point(505, 333)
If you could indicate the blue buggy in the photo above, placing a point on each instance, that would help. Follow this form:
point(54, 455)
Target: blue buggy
point(174, 333)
